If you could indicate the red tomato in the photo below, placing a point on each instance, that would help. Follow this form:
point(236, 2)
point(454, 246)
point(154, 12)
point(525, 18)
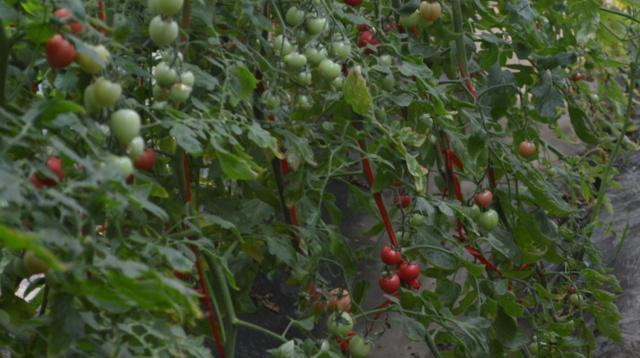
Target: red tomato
point(363, 27)
point(65, 15)
point(339, 299)
point(408, 272)
point(147, 161)
point(577, 77)
point(36, 181)
point(390, 256)
point(415, 284)
point(484, 199)
point(527, 149)
point(353, 2)
point(405, 200)
point(60, 52)
point(389, 284)
point(367, 38)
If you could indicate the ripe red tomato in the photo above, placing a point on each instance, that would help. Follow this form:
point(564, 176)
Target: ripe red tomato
point(408, 272)
point(65, 15)
point(36, 181)
point(55, 165)
point(577, 77)
point(484, 199)
point(389, 284)
point(60, 52)
point(363, 27)
point(390, 256)
point(353, 2)
point(147, 161)
point(405, 201)
point(415, 284)
point(367, 38)
point(527, 149)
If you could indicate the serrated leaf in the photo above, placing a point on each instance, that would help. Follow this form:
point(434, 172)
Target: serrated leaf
point(581, 124)
point(547, 99)
point(356, 93)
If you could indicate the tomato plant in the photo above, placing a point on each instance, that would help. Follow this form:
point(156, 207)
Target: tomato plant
point(160, 160)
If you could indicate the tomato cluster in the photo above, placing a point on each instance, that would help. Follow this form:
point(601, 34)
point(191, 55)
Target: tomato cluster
point(399, 271)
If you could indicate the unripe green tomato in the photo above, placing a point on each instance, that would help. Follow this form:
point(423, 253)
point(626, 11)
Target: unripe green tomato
point(317, 25)
point(385, 60)
point(282, 46)
point(135, 148)
point(33, 265)
point(89, 99)
point(93, 63)
point(303, 102)
point(341, 50)
point(294, 17)
point(295, 60)
point(121, 165)
point(418, 220)
point(338, 82)
point(432, 139)
point(270, 100)
point(316, 55)
point(388, 82)
point(410, 20)
point(161, 94)
point(474, 212)
point(339, 323)
point(105, 92)
point(125, 125)
point(359, 347)
point(187, 78)
point(163, 32)
point(169, 7)
point(488, 220)
point(329, 69)
point(165, 75)
point(179, 93)
point(304, 78)
point(576, 299)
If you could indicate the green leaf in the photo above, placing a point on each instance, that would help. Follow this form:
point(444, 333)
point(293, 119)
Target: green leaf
point(356, 93)
point(547, 98)
point(544, 194)
point(238, 166)
point(413, 330)
point(19, 240)
point(67, 325)
point(243, 83)
point(282, 249)
point(186, 138)
point(581, 124)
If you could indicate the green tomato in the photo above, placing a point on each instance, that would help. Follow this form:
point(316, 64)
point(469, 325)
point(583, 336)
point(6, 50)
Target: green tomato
point(295, 60)
point(359, 347)
point(329, 69)
point(576, 299)
point(90, 103)
point(339, 323)
point(33, 265)
point(282, 46)
point(187, 78)
point(125, 125)
point(488, 220)
point(165, 75)
point(388, 82)
point(304, 78)
point(105, 92)
point(163, 32)
point(93, 63)
point(294, 17)
point(135, 148)
point(303, 102)
point(341, 50)
point(315, 55)
point(169, 7)
point(474, 212)
point(338, 82)
point(317, 25)
point(122, 165)
point(179, 93)
point(411, 20)
point(270, 100)
point(161, 94)
point(418, 220)
point(385, 60)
